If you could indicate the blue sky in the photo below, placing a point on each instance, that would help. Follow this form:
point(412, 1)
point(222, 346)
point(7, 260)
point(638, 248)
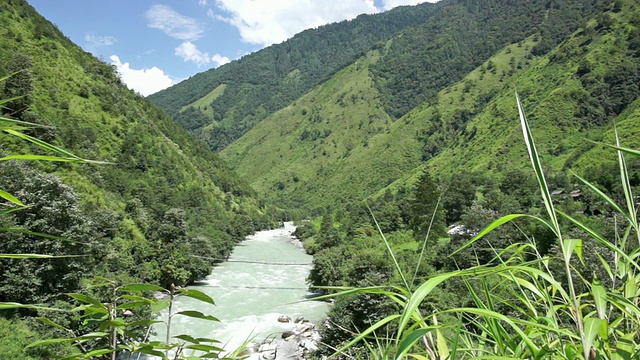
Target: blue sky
point(155, 44)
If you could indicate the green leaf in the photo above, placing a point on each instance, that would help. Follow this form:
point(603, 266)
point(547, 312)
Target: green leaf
point(197, 315)
point(86, 299)
point(599, 298)
point(591, 330)
point(141, 287)
point(38, 158)
point(36, 256)
point(51, 323)
point(160, 305)
point(625, 347)
point(499, 222)
point(537, 167)
point(187, 338)
point(14, 305)
point(571, 245)
point(409, 340)
point(65, 154)
point(5, 195)
point(198, 295)
point(98, 352)
point(133, 305)
point(203, 347)
point(143, 323)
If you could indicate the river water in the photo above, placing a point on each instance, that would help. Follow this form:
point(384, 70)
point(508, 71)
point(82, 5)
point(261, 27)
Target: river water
point(264, 278)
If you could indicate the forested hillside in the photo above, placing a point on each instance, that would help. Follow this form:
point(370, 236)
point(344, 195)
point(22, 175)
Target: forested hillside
point(220, 105)
point(473, 169)
point(161, 196)
point(347, 131)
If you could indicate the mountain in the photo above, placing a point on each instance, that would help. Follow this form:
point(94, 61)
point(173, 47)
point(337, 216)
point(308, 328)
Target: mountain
point(436, 95)
point(222, 104)
point(137, 218)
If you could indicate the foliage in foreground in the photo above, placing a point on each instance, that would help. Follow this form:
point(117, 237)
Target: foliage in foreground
point(525, 305)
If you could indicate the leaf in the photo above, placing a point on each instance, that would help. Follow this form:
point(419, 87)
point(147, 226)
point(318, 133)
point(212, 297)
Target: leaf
point(51, 323)
point(591, 329)
point(65, 154)
point(143, 323)
point(14, 305)
point(409, 341)
point(197, 315)
point(625, 347)
point(38, 158)
point(198, 295)
point(187, 338)
point(98, 352)
point(203, 347)
point(160, 305)
point(537, 167)
point(599, 298)
point(571, 245)
point(36, 256)
point(141, 287)
point(499, 222)
point(5, 195)
point(86, 299)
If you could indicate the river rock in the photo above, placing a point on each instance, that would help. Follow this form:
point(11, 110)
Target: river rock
point(284, 319)
point(299, 319)
point(288, 334)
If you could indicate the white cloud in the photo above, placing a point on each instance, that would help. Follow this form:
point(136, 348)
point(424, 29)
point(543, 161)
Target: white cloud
point(173, 23)
point(390, 4)
point(267, 22)
point(96, 40)
point(220, 60)
point(144, 81)
point(188, 51)
point(211, 14)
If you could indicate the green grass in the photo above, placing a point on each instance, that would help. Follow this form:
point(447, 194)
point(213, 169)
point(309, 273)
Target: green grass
point(204, 103)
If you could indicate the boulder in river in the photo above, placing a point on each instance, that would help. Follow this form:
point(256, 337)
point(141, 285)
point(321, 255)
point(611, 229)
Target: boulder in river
point(284, 319)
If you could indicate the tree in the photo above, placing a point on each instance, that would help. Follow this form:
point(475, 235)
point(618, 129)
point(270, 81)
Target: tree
point(329, 235)
point(423, 205)
point(53, 209)
point(19, 85)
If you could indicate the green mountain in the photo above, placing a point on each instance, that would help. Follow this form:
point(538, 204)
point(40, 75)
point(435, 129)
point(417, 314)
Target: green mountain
point(220, 105)
point(137, 218)
point(341, 142)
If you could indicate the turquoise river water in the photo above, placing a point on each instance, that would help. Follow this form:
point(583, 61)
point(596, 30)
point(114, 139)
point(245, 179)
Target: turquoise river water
point(264, 278)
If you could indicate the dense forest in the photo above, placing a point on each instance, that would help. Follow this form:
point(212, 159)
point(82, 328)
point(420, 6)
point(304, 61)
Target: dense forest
point(398, 135)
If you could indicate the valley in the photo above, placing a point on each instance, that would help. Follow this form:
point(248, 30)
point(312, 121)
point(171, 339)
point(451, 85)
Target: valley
point(467, 172)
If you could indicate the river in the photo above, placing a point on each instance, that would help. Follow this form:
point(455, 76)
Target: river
point(264, 278)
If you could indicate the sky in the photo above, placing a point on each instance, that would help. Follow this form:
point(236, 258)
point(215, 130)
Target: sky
point(155, 44)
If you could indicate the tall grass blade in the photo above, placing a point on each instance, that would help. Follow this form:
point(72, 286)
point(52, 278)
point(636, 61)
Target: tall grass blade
point(626, 186)
point(5, 195)
point(602, 195)
point(393, 257)
point(537, 167)
point(64, 153)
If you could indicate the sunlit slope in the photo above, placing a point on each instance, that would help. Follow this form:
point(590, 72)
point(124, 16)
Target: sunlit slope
point(337, 144)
